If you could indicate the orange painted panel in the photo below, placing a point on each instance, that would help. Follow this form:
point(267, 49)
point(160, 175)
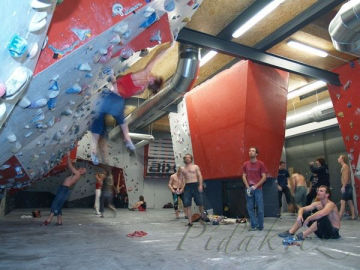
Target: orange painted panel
point(346, 101)
point(240, 107)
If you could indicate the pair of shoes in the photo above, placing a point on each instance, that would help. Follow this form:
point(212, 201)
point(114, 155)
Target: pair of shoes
point(137, 234)
point(291, 241)
point(300, 236)
point(130, 146)
point(131, 209)
point(189, 224)
point(58, 224)
point(259, 229)
point(98, 214)
point(285, 234)
point(252, 229)
point(94, 159)
point(241, 220)
point(101, 215)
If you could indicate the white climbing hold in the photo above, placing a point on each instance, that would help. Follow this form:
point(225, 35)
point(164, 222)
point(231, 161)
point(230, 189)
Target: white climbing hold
point(11, 137)
point(39, 103)
point(17, 82)
point(84, 67)
point(24, 102)
point(121, 28)
point(148, 11)
point(34, 50)
point(115, 39)
point(36, 4)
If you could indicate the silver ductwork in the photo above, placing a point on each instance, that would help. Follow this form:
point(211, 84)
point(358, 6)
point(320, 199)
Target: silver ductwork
point(322, 111)
point(344, 29)
point(158, 105)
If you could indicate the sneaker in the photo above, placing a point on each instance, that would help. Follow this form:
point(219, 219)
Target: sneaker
point(252, 229)
point(285, 234)
point(300, 236)
point(260, 229)
point(130, 146)
point(94, 159)
point(291, 241)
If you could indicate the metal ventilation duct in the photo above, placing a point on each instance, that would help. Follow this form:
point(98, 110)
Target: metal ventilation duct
point(344, 29)
point(158, 105)
point(322, 111)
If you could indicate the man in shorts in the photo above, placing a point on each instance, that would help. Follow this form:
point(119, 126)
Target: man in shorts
point(177, 185)
point(325, 222)
point(346, 187)
point(299, 189)
point(193, 186)
point(63, 191)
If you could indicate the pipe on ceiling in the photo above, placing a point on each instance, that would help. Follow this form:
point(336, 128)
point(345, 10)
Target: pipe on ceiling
point(159, 104)
point(322, 111)
point(344, 29)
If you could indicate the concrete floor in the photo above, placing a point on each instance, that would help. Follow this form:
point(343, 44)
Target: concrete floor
point(89, 242)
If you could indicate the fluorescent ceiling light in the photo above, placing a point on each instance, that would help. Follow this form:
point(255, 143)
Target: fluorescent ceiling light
point(307, 48)
point(207, 57)
point(256, 18)
point(306, 89)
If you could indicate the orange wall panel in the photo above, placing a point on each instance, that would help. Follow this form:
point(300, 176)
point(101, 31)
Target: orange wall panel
point(240, 107)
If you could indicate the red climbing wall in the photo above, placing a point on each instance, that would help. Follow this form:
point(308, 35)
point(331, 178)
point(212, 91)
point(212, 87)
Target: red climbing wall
point(346, 100)
point(240, 107)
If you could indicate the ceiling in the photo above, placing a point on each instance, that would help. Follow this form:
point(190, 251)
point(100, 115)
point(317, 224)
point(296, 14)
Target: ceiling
point(306, 21)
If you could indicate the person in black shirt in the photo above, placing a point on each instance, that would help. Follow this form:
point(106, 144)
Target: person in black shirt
point(320, 177)
point(282, 179)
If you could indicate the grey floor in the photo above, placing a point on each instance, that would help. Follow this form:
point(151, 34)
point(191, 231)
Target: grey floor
point(89, 242)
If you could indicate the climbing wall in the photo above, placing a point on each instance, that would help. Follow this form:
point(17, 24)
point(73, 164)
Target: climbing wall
point(180, 134)
point(346, 101)
point(87, 40)
point(240, 107)
point(132, 165)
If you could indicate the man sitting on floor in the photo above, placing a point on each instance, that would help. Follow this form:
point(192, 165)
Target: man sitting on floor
point(325, 223)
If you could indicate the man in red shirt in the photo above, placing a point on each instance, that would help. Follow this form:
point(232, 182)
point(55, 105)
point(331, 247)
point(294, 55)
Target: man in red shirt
point(254, 175)
point(113, 102)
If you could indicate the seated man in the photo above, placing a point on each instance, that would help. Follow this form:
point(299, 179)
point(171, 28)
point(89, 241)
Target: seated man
point(139, 205)
point(325, 223)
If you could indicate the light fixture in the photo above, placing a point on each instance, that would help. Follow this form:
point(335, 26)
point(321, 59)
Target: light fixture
point(257, 17)
point(206, 58)
point(306, 89)
point(307, 48)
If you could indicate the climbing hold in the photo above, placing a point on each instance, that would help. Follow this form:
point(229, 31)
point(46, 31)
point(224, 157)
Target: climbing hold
point(144, 52)
point(33, 51)
point(17, 82)
point(51, 121)
point(338, 96)
point(39, 116)
point(186, 20)
point(54, 85)
point(349, 105)
point(347, 85)
point(169, 5)
point(149, 21)
point(38, 103)
point(38, 22)
point(75, 89)
point(121, 28)
point(16, 147)
point(127, 53)
point(148, 12)
point(5, 167)
point(52, 103)
point(356, 137)
point(84, 67)
point(17, 46)
point(351, 124)
point(156, 36)
point(340, 114)
point(11, 137)
point(115, 39)
point(36, 4)
point(67, 112)
point(2, 89)
point(24, 102)
point(82, 34)
point(28, 134)
point(117, 9)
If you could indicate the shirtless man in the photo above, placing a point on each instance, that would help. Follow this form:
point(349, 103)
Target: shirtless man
point(325, 223)
point(193, 186)
point(177, 185)
point(299, 189)
point(346, 187)
point(63, 192)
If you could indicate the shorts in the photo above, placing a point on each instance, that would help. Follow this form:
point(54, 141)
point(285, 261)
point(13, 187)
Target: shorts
point(59, 200)
point(176, 200)
point(300, 195)
point(325, 229)
point(348, 194)
point(192, 191)
point(109, 103)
